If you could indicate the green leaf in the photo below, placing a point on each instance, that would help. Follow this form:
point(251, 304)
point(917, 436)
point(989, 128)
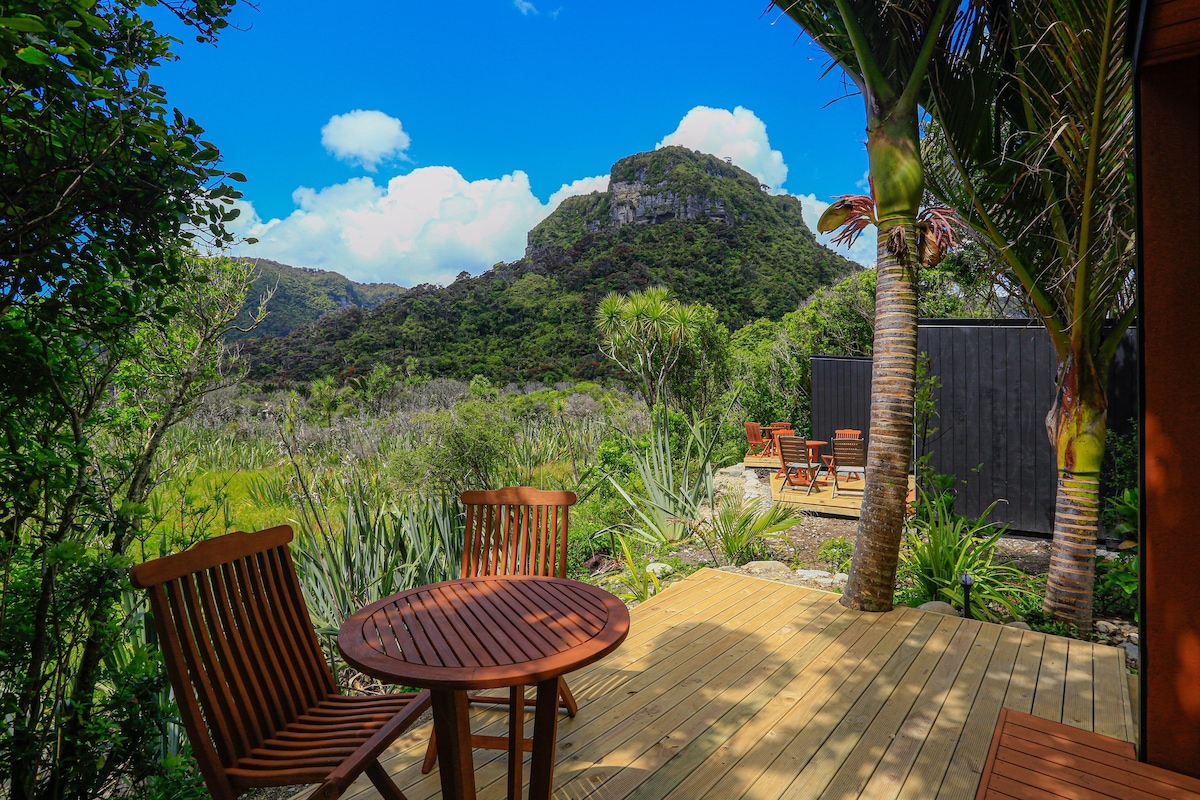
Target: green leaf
point(33, 56)
point(25, 24)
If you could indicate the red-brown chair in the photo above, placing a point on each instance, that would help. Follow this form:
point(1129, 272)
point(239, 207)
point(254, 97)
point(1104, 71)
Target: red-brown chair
point(797, 464)
point(754, 436)
point(255, 694)
point(517, 530)
point(847, 433)
point(849, 458)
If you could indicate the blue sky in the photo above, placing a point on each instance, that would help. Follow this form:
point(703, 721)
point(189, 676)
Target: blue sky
point(407, 141)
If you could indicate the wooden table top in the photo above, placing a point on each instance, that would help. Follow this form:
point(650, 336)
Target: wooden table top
point(480, 633)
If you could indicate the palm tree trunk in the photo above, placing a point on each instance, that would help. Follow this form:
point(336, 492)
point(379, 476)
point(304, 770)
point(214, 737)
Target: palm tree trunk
point(1077, 424)
point(872, 580)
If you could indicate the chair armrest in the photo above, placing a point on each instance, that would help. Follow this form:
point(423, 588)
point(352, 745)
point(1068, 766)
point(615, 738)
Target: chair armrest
point(348, 771)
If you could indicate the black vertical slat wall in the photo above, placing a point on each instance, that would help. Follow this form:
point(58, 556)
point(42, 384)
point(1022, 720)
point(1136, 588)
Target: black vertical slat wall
point(841, 395)
point(997, 383)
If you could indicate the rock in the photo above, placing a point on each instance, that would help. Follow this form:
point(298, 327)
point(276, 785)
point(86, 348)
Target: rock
point(659, 570)
point(938, 607)
point(1133, 637)
point(811, 574)
point(840, 577)
point(1131, 651)
point(1021, 626)
point(1105, 627)
point(767, 568)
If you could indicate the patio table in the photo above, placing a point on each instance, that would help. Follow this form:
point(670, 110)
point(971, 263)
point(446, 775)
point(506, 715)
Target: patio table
point(484, 633)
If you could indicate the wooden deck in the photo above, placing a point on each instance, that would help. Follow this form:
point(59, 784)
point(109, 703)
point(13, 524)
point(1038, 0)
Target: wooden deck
point(735, 687)
point(822, 501)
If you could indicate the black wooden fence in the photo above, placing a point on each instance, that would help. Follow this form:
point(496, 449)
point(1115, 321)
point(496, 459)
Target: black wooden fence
point(997, 383)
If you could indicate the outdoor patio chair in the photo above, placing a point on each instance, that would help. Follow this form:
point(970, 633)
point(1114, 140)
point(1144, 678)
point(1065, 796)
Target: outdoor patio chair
point(754, 436)
point(847, 433)
point(517, 530)
point(849, 458)
point(797, 466)
point(255, 693)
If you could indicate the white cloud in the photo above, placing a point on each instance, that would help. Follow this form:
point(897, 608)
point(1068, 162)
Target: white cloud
point(739, 135)
point(364, 137)
point(525, 7)
point(863, 249)
point(423, 227)
point(597, 183)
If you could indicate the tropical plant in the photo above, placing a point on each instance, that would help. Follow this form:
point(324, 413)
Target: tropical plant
point(941, 547)
point(1033, 147)
point(643, 332)
point(836, 553)
point(889, 51)
point(1117, 581)
point(739, 531)
point(634, 582)
point(673, 488)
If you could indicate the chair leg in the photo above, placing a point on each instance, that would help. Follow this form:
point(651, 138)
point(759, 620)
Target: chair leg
point(430, 753)
point(387, 788)
point(568, 699)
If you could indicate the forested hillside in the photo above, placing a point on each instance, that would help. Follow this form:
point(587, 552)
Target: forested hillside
point(301, 296)
point(673, 217)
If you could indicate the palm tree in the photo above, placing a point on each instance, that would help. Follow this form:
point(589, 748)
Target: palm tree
point(888, 49)
point(1033, 147)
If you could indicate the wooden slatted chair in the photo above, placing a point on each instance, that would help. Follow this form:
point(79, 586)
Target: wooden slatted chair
point(255, 694)
point(796, 464)
point(848, 433)
point(517, 530)
point(754, 436)
point(849, 458)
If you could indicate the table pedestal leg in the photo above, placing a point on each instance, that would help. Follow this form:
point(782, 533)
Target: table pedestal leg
point(545, 732)
point(516, 740)
point(452, 724)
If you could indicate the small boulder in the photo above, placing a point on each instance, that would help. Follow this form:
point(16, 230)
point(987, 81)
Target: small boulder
point(767, 568)
point(660, 570)
point(1105, 627)
point(1019, 625)
point(811, 574)
point(938, 607)
point(1131, 651)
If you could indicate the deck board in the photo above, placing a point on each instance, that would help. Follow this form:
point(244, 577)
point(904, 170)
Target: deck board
point(735, 687)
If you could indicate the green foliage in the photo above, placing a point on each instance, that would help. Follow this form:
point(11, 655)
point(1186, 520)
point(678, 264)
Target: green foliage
point(703, 369)
point(1117, 585)
point(531, 319)
point(673, 487)
point(1118, 477)
point(643, 333)
point(740, 530)
point(300, 296)
point(634, 583)
point(836, 553)
point(941, 546)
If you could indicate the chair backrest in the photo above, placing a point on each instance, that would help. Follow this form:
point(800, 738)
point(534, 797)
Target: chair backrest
point(517, 530)
point(238, 644)
point(849, 453)
point(754, 433)
point(793, 450)
point(847, 433)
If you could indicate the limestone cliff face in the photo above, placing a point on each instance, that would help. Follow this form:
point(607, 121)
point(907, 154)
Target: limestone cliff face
point(636, 203)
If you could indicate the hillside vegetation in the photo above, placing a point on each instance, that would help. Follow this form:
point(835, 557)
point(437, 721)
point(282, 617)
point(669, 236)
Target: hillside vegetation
point(302, 296)
point(693, 223)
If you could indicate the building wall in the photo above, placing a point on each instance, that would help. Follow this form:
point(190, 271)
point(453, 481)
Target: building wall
point(1169, 205)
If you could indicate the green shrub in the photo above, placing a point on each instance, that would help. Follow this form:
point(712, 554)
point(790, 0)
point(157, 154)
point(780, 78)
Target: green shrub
point(940, 546)
point(836, 553)
point(739, 531)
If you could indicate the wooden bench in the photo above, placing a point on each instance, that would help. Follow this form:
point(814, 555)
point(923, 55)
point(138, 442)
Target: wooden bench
point(1032, 758)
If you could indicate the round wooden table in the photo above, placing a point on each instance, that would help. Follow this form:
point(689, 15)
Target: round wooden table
point(482, 633)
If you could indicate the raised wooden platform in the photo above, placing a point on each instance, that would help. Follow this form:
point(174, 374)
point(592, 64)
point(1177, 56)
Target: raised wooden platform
point(735, 687)
point(762, 462)
point(1035, 759)
point(821, 500)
